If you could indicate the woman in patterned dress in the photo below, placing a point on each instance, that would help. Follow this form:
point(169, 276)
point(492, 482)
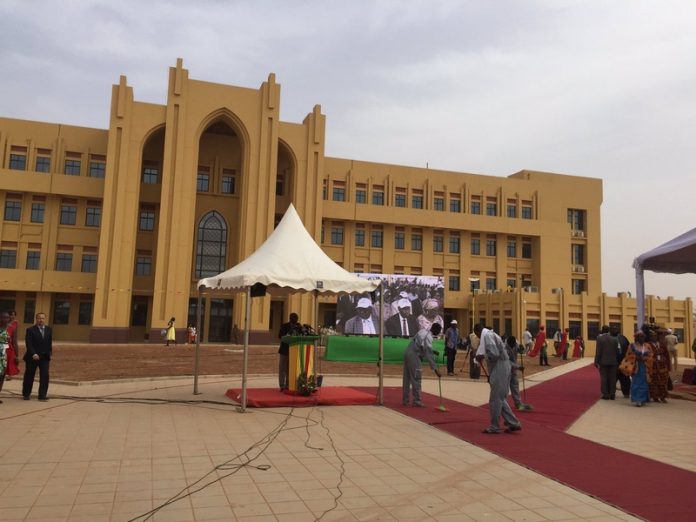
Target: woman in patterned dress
point(642, 354)
point(660, 368)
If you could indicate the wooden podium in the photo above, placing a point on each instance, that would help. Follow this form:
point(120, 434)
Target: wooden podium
point(301, 357)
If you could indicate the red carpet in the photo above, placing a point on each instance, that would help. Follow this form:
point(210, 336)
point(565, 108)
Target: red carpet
point(666, 492)
point(326, 396)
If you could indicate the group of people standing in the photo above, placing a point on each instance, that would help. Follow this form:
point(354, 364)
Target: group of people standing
point(39, 348)
point(642, 367)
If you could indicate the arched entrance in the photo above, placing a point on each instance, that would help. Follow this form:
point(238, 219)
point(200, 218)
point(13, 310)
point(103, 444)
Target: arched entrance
point(216, 246)
point(145, 255)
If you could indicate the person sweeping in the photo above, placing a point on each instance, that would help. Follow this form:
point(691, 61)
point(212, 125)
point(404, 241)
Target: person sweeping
point(418, 350)
point(512, 350)
point(492, 350)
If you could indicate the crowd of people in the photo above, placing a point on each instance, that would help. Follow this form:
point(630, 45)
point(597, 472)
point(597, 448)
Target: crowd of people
point(39, 348)
point(643, 368)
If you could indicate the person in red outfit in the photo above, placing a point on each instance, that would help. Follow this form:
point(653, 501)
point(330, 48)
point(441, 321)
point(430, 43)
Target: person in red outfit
point(12, 348)
point(5, 341)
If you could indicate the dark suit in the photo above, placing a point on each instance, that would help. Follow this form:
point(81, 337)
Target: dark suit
point(41, 345)
point(392, 326)
point(606, 359)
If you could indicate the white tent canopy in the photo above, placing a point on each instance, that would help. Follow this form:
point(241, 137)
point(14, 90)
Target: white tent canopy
point(677, 256)
point(289, 259)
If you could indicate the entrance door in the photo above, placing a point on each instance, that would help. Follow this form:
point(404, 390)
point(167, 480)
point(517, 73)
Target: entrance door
point(220, 321)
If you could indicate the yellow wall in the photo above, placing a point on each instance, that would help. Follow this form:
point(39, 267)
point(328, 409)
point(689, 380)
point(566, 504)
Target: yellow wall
point(222, 129)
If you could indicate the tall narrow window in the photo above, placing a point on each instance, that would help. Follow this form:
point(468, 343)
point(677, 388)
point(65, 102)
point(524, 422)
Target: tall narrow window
point(229, 179)
point(68, 214)
point(33, 260)
point(438, 242)
point(37, 212)
point(8, 258)
point(89, 264)
point(13, 210)
point(417, 241)
point(150, 175)
point(336, 234)
point(97, 166)
point(491, 247)
point(455, 203)
point(211, 245)
point(378, 195)
point(439, 201)
point(93, 217)
point(18, 162)
point(63, 262)
point(339, 191)
point(359, 237)
point(360, 195)
point(454, 243)
point(143, 265)
point(147, 221)
point(203, 179)
point(400, 198)
point(475, 246)
point(73, 163)
point(399, 239)
point(43, 164)
point(475, 204)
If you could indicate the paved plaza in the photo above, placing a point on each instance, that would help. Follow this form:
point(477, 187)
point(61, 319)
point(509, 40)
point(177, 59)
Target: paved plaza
point(138, 449)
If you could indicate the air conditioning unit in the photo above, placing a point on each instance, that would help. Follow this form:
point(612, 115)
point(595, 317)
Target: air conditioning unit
point(579, 268)
point(531, 289)
point(578, 233)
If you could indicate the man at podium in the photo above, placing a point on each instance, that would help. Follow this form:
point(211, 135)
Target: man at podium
point(292, 327)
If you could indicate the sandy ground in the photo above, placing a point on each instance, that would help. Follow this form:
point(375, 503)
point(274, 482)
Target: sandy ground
point(93, 362)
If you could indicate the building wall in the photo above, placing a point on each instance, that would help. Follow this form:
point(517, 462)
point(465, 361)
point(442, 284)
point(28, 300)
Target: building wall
point(160, 175)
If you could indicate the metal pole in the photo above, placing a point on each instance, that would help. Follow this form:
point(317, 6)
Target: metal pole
point(640, 297)
point(316, 332)
point(247, 321)
point(198, 342)
point(380, 388)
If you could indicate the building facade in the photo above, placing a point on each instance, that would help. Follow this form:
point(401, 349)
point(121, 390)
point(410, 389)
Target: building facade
point(108, 231)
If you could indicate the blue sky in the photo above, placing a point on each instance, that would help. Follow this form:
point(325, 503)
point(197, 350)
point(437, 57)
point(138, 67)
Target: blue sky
point(591, 88)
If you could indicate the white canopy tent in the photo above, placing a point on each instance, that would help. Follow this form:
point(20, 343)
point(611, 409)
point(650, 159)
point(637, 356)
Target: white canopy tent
point(288, 261)
point(677, 256)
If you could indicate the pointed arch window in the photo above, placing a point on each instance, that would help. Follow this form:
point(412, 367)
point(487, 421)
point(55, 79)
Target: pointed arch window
point(211, 245)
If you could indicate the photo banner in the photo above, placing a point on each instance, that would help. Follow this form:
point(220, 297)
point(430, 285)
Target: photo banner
point(411, 302)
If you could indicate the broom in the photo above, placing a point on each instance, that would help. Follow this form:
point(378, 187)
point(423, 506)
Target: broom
point(441, 407)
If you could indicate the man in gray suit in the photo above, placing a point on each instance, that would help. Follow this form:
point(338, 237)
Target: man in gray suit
point(365, 321)
point(606, 360)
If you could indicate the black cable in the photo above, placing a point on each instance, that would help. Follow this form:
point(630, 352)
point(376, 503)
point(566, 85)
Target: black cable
point(263, 444)
point(342, 468)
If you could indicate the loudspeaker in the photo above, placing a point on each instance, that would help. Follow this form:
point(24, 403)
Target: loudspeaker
point(258, 290)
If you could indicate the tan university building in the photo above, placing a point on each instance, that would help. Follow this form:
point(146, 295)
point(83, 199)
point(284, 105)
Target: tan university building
point(107, 231)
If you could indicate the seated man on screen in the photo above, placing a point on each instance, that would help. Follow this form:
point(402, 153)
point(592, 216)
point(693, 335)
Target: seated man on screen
point(365, 321)
point(403, 324)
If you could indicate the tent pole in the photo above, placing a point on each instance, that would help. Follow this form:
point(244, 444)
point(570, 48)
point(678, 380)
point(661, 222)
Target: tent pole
point(316, 341)
point(247, 321)
point(640, 296)
point(380, 392)
point(198, 342)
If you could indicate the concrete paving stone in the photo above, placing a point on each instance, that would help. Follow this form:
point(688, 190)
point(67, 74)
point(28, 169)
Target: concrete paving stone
point(255, 509)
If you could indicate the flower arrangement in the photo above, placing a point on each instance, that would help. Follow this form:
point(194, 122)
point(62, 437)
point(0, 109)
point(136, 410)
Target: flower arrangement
point(306, 385)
